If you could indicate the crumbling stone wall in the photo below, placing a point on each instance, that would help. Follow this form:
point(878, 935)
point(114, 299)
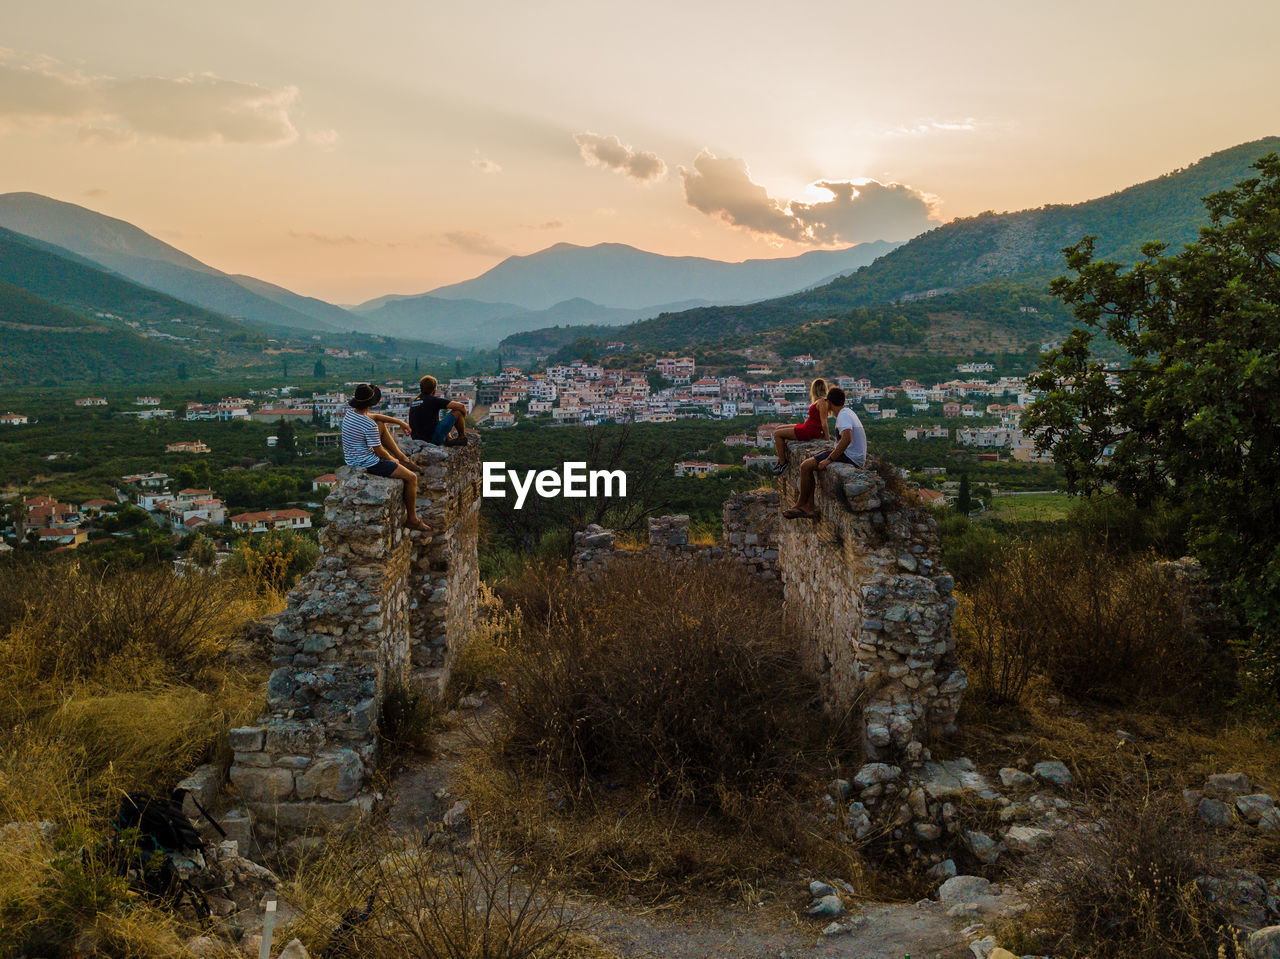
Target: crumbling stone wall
point(748, 538)
point(864, 584)
point(380, 601)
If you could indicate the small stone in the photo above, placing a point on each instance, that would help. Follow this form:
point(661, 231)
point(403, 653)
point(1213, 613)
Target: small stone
point(819, 889)
point(294, 950)
point(203, 947)
point(831, 906)
point(470, 702)
point(983, 948)
point(1027, 839)
point(943, 870)
point(984, 848)
point(1265, 943)
point(1214, 812)
point(875, 774)
point(928, 832)
point(458, 818)
point(1054, 772)
point(964, 889)
point(1253, 807)
point(1012, 778)
point(839, 789)
point(1226, 785)
point(1270, 821)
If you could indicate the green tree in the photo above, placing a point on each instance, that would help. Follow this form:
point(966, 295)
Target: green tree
point(286, 442)
point(1191, 417)
point(964, 500)
point(318, 370)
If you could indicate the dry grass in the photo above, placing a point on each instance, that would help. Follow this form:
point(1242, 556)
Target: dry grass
point(1128, 890)
point(658, 737)
point(111, 682)
point(429, 898)
point(1095, 625)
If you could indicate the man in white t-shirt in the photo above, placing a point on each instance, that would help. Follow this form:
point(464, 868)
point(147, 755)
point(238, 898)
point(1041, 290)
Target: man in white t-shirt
point(851, 447)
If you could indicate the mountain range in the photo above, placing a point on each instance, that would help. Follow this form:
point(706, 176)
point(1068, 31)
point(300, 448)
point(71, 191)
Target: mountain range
point(1020, 250)
point(606, 284)
point(72, 258)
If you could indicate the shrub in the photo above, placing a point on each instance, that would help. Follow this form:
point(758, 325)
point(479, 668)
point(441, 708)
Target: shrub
point(430, 900)
point(274, 561)
point(134, 626)
point(683, 679)
point(1096, 625)
point(1129, 889)
point(408, 723)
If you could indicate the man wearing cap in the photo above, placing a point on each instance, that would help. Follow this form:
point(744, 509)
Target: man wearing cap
point(367, 444)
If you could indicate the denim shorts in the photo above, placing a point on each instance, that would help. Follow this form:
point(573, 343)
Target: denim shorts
point(443, 428)
point(382, 467)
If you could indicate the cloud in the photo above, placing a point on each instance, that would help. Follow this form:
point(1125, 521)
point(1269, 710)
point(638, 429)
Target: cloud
point(547, 225)
point(328, 239)
point(722, 187)
point(857, 211)
point(963, 125)
point(471, 242)
point(610, 152)
point(118, 110)
point(485, 165)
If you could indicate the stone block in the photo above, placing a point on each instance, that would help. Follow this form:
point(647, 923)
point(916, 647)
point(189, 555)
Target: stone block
point(336, 775)
point(262, 784)
point(247, 739)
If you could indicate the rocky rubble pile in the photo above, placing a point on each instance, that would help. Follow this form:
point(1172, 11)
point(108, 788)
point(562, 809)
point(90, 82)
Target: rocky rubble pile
point(918, 810)
point(1227, 799)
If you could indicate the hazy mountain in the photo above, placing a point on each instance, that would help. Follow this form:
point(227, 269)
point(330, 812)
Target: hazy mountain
point(1024, 247)
point(621, 277)
point(473, 323)
point(137, 255)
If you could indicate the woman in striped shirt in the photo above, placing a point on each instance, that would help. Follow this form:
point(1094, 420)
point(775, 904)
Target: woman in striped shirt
point(367, 444)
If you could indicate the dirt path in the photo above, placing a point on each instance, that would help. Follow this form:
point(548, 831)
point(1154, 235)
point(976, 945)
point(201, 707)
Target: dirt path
point(422, 791)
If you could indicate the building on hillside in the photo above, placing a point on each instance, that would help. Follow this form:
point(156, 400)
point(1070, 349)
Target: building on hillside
point(146, 401)
point(146, 480)
point(805, 360)
point(187, 446)
point(751, 460)
point(68, 536)
point(739, 439)
point(275, 414)
point(323, 483)
point(95, 507)
point(92, 401)
point(696, 468)
point(13, 419)
point(271, 519)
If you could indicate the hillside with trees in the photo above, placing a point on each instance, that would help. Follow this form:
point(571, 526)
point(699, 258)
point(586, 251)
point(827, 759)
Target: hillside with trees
point(1025, 247)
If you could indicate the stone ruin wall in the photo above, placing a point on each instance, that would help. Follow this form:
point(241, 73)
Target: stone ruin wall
point(382, 607)
point(748, 539)
point(865, 585)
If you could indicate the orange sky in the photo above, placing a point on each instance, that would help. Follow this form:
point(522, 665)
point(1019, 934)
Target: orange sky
point(348, 151)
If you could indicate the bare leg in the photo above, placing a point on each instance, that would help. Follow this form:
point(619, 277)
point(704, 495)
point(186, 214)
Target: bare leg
point(388, 441)
point(410, 480)
point(780, 437)
point(805, 500)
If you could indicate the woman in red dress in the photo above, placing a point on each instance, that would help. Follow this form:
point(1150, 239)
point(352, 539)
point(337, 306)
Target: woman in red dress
point(813, 428)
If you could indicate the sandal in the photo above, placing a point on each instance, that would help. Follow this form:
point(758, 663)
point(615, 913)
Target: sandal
point(798, 514)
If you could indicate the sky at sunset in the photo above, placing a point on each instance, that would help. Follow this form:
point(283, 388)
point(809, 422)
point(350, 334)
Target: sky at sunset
point(351, 150)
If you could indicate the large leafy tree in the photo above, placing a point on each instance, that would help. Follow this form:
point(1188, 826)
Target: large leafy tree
point(1190, 414)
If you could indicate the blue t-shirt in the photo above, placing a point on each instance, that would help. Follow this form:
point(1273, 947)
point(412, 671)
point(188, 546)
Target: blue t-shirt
point(359, 437)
